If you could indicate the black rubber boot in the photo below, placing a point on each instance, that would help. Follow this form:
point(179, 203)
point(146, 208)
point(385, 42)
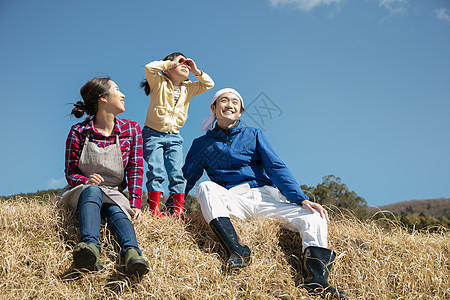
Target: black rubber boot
point(239, 255)
point(318, 262)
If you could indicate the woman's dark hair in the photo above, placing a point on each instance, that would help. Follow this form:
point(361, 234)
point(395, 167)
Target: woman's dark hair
point(144, 84)
point(91, 91)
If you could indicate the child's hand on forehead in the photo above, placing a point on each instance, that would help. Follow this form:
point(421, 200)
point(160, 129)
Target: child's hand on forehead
point(192, 67)
point(179, 62)
point(189, 63)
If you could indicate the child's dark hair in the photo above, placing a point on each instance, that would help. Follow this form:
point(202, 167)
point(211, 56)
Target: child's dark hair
point(91, 91)
point(144, 84)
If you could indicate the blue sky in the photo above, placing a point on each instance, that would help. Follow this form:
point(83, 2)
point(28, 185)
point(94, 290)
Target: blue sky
point(355, 88)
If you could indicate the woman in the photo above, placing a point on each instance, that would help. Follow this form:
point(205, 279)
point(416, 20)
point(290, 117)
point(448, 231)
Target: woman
point(99, 153)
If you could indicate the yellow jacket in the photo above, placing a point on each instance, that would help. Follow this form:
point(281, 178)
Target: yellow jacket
point(162, 113)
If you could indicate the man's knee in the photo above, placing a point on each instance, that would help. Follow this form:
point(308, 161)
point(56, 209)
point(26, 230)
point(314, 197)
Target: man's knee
point(206, 186)
point(211, 198)
point(315, 220)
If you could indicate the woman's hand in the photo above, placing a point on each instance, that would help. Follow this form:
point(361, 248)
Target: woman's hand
point(137, 214)
point(95, 179)
point(313, 207)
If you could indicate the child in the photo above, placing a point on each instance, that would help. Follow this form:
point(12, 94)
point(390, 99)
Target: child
point(170, 92)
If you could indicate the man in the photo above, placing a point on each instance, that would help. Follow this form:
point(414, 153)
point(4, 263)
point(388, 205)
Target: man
point(248, 179)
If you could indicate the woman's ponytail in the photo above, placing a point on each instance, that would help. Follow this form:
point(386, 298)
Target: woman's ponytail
point(90, 92)
point(79, 109)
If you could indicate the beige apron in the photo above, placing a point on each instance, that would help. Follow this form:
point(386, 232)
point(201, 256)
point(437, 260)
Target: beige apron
point(106, 162)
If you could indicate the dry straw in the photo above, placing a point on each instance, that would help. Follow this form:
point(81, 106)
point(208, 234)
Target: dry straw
point(375, 261)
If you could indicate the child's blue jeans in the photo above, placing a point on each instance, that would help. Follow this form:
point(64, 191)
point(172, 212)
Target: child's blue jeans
point(90, 211)
point(163, 153)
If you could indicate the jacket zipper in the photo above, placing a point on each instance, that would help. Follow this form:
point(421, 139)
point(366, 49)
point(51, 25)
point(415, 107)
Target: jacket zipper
point(228, 151)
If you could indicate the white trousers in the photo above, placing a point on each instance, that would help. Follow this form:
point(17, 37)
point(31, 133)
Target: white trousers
point(244, 202)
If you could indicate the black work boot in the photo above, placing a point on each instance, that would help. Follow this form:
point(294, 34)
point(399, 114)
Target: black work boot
point(318, 262)
point(239, 255)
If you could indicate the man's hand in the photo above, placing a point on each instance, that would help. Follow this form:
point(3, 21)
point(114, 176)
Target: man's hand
point(313, 207)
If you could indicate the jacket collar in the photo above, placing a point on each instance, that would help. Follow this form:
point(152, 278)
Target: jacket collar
point(217, 132)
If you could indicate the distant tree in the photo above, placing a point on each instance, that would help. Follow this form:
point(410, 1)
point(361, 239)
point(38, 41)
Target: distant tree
point(432, 221)
point(407, 221)
point(409, 209)
point(421, 222)
point(308, 190)
point(333, 191)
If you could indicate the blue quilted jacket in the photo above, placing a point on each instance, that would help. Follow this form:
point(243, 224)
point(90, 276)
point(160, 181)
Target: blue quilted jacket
point(244, 155)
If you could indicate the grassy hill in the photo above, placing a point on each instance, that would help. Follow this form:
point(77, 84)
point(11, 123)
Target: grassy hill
point(430, 208)
point(376, 259)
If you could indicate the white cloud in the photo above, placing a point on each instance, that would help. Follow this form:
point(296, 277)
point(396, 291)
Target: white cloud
point(442, 14)
point(394, 6)
point(305, 5)
point(56, 183)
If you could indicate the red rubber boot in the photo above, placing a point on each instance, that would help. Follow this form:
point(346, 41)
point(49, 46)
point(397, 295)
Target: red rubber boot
point(154, 198)
point(178, 205)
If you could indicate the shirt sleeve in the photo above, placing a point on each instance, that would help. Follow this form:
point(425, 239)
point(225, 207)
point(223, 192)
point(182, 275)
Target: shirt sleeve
point(203, 84)
point(72, 156)
point(193, 167)
point(135, 168)
point(277, 171)
point(152, 70)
